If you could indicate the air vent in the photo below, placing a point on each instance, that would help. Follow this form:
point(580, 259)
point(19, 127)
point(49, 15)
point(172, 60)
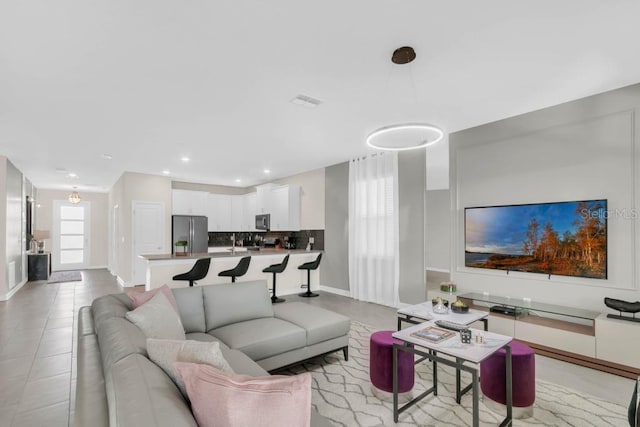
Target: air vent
point(306, 101)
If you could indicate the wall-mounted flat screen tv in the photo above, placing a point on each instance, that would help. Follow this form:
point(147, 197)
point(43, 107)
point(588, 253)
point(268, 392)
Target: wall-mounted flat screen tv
point(562, 238)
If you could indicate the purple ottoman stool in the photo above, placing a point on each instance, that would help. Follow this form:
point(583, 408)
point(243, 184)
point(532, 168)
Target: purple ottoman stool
point(523, 371)
point(381, 367)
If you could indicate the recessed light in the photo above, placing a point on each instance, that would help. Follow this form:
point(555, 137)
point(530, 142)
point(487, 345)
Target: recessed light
point(185, 159)
point(238, 180)
point(106, 156)
point(166, 172)
point(267, 171)
point(72, 175)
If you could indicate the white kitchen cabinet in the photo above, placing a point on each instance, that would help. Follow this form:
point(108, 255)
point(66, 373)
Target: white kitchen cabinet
point(263, 198)
point(237, 213)
point(249, 212)
point(189, 202)
point(280, 208)
point(285, 208)
point(219, 212)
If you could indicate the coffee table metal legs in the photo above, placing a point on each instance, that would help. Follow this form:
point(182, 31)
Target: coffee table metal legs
point(459, 365)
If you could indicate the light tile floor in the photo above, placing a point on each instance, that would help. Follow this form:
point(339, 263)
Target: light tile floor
point(38, 349)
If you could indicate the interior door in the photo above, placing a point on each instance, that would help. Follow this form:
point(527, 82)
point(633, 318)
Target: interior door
point(71, 237)
point(148, 236)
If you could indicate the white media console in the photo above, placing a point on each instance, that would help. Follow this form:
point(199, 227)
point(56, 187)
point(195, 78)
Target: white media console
point(576, 335)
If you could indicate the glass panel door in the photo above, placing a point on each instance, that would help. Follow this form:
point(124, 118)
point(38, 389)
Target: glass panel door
point(71, 237)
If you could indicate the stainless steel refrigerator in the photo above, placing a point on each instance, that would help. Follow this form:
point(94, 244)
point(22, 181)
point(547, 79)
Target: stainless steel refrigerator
point(192, 229)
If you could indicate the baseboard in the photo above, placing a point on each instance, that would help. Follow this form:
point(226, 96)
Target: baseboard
point(336, 291)
point(13, 291)
point(95, 267)
point(123, 283)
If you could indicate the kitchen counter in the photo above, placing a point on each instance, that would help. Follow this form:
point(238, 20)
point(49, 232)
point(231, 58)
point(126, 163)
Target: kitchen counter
point(240, 252)
point(162, 267)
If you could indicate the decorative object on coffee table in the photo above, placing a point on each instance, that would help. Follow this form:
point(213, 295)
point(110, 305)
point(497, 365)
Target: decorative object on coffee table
point(623, 307)
point(459, 307)
point(440, 306)
point(465, 336)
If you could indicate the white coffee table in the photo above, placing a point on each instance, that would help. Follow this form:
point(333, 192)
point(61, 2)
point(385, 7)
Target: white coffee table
point(422, 312)
point(462, 353)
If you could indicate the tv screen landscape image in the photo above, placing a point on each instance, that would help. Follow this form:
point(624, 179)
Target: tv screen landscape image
point(561, 238)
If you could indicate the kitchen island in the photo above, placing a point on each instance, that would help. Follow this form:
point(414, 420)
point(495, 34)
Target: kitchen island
point(162, 267)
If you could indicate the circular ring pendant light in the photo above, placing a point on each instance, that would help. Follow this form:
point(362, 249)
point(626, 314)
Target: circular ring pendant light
point(407, 136)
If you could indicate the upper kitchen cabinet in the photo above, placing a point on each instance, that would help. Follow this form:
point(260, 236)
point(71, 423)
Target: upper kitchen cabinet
point(219, 212)
point(263, 198)
point(237, 213)
point(189, 202)
point(249, 212)
point(284, 206)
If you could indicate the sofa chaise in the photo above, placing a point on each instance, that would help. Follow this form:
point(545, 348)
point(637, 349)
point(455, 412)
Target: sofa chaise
point(118, 385)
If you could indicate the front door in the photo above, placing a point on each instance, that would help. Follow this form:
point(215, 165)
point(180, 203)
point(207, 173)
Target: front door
point(71, 239)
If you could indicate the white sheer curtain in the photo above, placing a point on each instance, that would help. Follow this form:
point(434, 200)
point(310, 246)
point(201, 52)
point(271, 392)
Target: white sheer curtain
point(373, 229)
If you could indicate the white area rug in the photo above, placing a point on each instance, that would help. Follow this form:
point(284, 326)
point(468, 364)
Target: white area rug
point(342, 393)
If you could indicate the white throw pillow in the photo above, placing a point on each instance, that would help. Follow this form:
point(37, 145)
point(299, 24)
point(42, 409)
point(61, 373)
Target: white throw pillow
point(165, 352)
point(157, 319)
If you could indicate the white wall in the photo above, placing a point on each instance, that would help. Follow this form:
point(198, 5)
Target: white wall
point(13, 257)
point(99, 221)
point(585, 149)
point(312, 198)
point(438, 230)
point(218, 189)
point(136, 187)
point(4, 282)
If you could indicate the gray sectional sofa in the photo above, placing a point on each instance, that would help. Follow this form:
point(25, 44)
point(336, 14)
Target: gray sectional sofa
point(117, 384)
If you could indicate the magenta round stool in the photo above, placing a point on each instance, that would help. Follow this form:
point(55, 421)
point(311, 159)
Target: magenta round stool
point(523, 371)
point(381, 366)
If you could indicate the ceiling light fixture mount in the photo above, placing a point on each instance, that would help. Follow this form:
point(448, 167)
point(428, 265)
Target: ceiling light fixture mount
point(403, 55)
point(406, 136)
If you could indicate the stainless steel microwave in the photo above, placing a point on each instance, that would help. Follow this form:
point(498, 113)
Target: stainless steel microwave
point(263, 222)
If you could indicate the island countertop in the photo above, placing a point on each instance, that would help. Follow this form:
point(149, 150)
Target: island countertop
point(161, 268)
point(229, 254)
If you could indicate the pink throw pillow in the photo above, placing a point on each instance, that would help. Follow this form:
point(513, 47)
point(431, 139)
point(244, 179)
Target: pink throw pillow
point(231, 400)
point(140, 298)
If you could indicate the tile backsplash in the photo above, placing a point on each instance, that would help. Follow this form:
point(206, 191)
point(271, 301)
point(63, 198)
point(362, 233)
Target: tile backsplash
point(297, 239)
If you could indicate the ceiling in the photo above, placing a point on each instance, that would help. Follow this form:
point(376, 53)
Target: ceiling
point(150, 81)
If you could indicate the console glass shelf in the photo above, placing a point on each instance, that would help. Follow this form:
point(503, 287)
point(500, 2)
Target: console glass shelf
point(557, 316)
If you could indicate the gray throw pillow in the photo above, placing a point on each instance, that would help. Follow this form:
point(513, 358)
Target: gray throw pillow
point(165, 352)
point(157, 319)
